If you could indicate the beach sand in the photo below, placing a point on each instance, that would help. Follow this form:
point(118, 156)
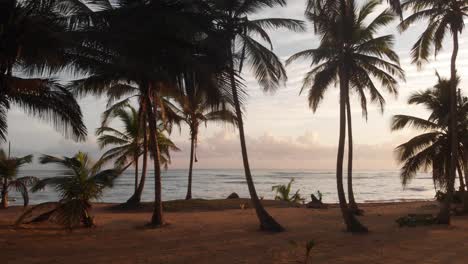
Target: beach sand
point(208, 234)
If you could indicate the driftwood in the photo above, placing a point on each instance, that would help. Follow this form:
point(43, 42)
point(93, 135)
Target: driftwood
point(316, 203)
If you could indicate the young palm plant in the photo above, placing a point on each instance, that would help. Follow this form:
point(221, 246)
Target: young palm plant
point(432, 148)
point(283, 193)
point(239, 29)
point(130, 144)
point(352, 56)
point(195, 107)
point(443, 18)
point(9, 167)
point(82, 183)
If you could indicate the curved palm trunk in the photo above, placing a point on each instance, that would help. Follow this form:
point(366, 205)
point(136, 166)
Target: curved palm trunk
point(352, 202)
point(189, 185)
point(136, 197)
point(267, 222)
point(4, 194)
point(460, 178)
point(444, 214)
point(136, 172)
point(157, 218)
point(352, 224)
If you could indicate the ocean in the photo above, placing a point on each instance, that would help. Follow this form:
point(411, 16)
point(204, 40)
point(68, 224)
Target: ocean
point(369, 186)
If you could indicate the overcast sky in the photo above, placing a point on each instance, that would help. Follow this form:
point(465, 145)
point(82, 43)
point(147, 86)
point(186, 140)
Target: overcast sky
point(282, 132)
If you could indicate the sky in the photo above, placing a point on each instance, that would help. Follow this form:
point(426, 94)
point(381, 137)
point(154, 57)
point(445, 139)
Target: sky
point(282, 132)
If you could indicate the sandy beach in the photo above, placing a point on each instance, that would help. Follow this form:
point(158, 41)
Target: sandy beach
point(213, 233)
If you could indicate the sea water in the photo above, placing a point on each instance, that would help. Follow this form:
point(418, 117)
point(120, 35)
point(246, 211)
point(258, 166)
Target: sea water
point(369, 186)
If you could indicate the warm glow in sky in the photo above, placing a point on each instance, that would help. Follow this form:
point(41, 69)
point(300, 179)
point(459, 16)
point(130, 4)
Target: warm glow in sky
point(282, 131)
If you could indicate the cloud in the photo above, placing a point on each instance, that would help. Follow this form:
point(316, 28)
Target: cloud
point(267, 151)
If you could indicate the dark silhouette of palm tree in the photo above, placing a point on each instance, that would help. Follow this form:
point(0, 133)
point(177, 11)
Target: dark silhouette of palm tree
point(444, 18)
point(131, 144)
point(84, 181)
point(195, 107)
point(432, 148)
point(351, 55)
point(33, 42)
point(238, 29)
point(9, 180)
point(147, 63)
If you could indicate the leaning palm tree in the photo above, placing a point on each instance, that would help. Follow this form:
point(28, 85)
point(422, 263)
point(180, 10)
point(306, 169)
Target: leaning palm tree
point(130, 144)
point(432, 148)
point(34, 41)
point(444, 18)
point(352, 56)
point(83, 182)
point(194, 107)
point(242, 48)
point(9, 167)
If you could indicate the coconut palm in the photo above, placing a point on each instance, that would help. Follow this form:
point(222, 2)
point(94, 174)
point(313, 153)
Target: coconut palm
point(444, 17)
point(350, 54)
point(194, 108)
point(239, 29)
point(83, 182)
point(33, 41)
point(9, 167)
point(144, 62)
point(432, 148)
point(131, 143)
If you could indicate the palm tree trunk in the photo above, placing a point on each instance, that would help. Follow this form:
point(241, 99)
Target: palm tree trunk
point(267, 222)
point(352, 224)
point(444, 214)
point(352, 202)
point(460, 178)
point(157, 219)
point(189, 185)
point(5, 194)
point(465, 194)
point(136, 197)
point(136, 172)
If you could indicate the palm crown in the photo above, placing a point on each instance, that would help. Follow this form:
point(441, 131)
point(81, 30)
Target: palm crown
point(83, 182)
point(9, 167)
point(432, 148)
point(365, 57)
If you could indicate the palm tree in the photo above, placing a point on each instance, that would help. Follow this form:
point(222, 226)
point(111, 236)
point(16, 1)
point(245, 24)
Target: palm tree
point(432, 148)
point(194, 107)
point(131, 143)
point(351, 55)
point(33, 41)
point(9, 167)
point(444, 18)
point(241, 47)
point(82, 183)
point(144, 62)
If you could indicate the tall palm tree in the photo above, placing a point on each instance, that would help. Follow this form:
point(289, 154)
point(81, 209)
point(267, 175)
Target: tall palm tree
point(9, 167)
point(194, 107)
point(82, 183)
point(432, 148)
point(444, 18)
point(131, 143)
point(351, 55)
point(146, 62)
point(241, 47)
point(33, 41)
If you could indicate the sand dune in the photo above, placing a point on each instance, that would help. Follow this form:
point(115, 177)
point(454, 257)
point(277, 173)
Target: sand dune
point(231, 236)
